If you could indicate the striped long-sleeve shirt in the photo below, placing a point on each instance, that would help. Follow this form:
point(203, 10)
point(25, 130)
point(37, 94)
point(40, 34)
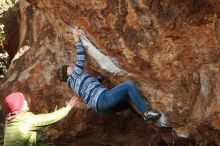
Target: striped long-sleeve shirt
point(83, 84)
point(22, 130)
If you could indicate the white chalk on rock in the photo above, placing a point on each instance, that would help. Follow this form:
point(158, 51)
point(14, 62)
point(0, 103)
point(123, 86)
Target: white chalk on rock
point(162, 122)
point(104, 61)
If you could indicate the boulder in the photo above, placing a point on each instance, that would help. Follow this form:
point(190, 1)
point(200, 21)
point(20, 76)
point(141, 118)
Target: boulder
point(169, 48)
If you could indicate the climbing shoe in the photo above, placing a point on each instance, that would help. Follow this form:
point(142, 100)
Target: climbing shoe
point(151, 116)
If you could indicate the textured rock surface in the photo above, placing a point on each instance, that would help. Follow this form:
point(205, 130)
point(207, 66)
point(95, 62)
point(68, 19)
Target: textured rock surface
point(170, 48)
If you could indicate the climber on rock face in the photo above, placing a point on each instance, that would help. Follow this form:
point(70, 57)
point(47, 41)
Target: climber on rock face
point(95, 95)
point(21, 126)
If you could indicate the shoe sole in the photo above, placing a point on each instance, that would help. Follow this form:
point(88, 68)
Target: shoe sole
point(141, 114)
point(153, 118)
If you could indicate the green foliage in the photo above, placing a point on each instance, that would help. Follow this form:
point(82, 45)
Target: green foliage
point(4, 6)
point(1, 127)
point(1, 31)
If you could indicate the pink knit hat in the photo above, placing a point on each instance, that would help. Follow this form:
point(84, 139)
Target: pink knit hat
point(14, 101)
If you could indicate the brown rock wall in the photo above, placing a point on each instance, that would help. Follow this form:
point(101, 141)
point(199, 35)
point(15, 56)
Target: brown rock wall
point(170, 48)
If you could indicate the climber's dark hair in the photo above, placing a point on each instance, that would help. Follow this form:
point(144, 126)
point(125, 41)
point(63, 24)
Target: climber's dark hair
point(62, 73)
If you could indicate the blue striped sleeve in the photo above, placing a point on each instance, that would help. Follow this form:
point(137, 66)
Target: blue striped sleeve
point(80, 58)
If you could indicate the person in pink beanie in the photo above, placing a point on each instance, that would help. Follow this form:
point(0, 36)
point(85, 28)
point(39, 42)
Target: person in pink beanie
point(15, 102)
point(21, 126)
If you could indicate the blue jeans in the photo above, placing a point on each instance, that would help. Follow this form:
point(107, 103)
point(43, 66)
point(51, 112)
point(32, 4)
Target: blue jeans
point(114, 100)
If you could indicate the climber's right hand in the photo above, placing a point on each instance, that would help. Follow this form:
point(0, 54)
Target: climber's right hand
point(75, 32)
